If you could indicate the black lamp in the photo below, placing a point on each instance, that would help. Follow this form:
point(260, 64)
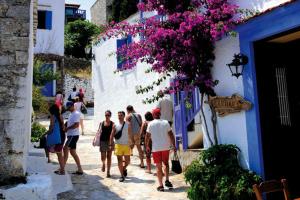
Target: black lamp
point(237, 64)
point(89, 53)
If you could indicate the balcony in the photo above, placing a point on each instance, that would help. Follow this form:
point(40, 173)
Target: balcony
point(74, 14)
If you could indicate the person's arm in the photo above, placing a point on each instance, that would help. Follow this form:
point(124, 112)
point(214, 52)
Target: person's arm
point(172, 139)
point(142, 129)
point(51, 126)
point(130, 135)
point(74, 126)
point(112, 135)
point(147, 141)
point(141, 120)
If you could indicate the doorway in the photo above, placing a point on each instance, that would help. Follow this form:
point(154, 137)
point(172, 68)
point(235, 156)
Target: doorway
point(277, 62)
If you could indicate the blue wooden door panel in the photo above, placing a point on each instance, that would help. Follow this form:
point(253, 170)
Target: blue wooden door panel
point(48, 89)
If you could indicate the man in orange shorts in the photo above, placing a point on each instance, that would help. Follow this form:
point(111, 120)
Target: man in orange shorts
point(161, 135)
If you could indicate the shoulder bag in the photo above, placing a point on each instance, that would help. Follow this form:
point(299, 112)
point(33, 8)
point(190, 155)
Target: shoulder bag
point(176, 166)
point(96, 141)
point(118, 134)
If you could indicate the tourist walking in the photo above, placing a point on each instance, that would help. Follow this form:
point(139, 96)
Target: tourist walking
point(161, 135)
point(122, 134)
point(57, 124)
point(73, 95)
point(135, 120)
point(78, 107)
point(106, 128)
point(166, 108)
point(81, 95)
point(72, 130)
point(148, 118)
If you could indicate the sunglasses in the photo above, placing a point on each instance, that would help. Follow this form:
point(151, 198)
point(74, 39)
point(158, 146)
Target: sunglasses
point(107, 115)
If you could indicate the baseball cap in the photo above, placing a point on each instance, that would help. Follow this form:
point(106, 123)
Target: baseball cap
point(69, 104)
point(156, 112)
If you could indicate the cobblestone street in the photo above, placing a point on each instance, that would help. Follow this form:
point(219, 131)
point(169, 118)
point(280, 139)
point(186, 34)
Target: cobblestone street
point(94, 184)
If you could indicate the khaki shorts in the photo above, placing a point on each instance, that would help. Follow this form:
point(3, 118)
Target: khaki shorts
point(136, 139)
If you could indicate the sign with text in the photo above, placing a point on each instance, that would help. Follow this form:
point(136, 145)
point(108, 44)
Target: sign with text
point(227, 105)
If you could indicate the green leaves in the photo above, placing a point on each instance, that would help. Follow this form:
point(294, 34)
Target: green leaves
point(217, 175)
point(37, 130)
point(41, 78)
point(79, 35)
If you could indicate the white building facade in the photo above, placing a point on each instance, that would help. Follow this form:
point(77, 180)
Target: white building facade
point(265, 134)
point(50, 36)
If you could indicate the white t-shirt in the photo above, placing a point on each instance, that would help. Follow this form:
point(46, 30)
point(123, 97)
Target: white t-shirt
point(73, 95)
point(159, 134)
point(77, 106)
point(73, 118)
point(124, 139)
point(166, 109)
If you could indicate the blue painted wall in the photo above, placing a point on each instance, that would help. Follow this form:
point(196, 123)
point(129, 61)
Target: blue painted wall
point(277, 21)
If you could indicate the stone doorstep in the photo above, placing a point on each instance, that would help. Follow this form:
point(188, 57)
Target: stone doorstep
point(42, 183)
point(38, 187)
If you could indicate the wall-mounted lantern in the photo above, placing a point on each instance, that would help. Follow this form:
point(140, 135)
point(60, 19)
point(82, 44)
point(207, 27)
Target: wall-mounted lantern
point(237, 64)
point(89, 54)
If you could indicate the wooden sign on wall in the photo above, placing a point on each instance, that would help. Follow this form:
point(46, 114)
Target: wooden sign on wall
point(227, 105)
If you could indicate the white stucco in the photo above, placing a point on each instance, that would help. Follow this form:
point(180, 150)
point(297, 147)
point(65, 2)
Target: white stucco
point(52, 41)
point(115, 91)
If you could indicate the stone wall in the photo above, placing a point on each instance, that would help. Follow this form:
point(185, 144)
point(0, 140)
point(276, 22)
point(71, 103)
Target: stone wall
point(15, 86)
point(86, 84)
point(99, 13)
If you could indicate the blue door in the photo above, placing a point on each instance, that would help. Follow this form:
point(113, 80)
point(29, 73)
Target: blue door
point(48, 89)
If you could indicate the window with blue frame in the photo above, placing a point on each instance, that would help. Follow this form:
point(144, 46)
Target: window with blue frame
point(44, 19)
point(121, 43)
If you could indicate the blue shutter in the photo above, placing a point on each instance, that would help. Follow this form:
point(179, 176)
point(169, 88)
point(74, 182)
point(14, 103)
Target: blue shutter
point(120, 43)
point(48, 89)
point(49, 20)
point(129, 39)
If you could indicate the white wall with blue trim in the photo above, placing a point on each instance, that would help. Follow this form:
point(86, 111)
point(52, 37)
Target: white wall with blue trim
point(50, 39)
point(232, 129)
point(115, 91)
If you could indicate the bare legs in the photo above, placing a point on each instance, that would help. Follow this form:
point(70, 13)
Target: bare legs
point(106, 155)
point(159, 169)
point(47, 155)
point(61, 162)
point(141, 154)
point(82, 127)
point(122, 167)
point(74, 155)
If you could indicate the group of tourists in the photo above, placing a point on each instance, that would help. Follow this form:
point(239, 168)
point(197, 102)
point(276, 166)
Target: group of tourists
point(152, 137)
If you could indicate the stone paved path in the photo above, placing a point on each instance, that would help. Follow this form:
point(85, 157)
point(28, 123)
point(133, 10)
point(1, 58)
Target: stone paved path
point(94, 186)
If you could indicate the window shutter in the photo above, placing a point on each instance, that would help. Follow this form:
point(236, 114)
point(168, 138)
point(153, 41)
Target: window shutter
point(129, 39)
point(49, 20)
point(120, 43)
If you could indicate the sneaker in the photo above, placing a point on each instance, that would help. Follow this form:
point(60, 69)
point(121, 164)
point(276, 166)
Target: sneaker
point(125, 173)
point(121, 179)
point(168, 184)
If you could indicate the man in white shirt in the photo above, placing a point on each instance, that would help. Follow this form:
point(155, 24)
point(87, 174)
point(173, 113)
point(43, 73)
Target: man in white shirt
point(72, 131)
point(162, 138)
point(166, 108)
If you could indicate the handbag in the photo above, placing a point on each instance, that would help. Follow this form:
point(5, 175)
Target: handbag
point(176, 166)
point(96, 141)
point(118, 134)
point(53, 138)
point(83, 109)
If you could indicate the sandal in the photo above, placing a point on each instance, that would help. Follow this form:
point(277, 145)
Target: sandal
point(108, 175)
point(142, 166)
point(160, 189)
point(103, 168)
point(58, 172)
point(78, 173)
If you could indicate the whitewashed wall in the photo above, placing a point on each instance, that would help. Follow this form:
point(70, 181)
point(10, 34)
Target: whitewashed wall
point(52, 41)
point(115, 91)
point(232, 129)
